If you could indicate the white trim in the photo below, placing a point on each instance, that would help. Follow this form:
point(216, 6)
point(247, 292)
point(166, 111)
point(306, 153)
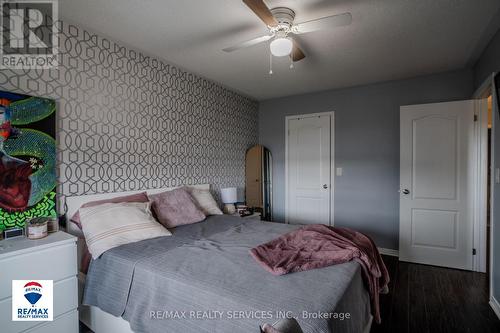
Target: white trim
point(287, 118)
point(388, 252)
point(494, 128)
point(480, 173)
point(486, 88)
point(332, 159)
point(495, 306)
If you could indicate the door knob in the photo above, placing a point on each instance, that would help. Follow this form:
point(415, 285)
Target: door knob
point(405, 191)
point(325, 186)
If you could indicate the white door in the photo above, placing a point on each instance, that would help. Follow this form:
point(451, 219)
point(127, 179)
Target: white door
point(309, 161)
point(436, 179)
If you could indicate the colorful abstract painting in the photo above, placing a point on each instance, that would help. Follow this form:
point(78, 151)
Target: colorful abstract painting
point(27, 158)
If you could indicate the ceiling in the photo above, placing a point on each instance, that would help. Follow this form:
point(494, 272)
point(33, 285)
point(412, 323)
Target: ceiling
point(387, 40)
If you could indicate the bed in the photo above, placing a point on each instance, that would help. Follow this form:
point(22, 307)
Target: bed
point(203, 279)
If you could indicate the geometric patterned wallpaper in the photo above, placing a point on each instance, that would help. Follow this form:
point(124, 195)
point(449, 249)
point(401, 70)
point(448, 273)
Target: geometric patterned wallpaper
point(127, 121)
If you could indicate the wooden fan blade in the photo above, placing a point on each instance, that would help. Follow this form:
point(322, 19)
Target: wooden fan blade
point(247, 43)
point(260, 9)
point(297, 53)
point(323, 23)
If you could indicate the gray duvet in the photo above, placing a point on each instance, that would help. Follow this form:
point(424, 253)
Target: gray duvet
point(203, 279)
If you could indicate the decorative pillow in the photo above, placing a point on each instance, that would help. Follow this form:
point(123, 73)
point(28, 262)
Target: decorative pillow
point(204, 200)
point(176, 207)
point(86, 257)
point(113, 224)
point(138, 197)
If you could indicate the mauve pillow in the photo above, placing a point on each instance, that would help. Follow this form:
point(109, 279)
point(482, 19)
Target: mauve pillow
point(176, 207)
point(138, 197)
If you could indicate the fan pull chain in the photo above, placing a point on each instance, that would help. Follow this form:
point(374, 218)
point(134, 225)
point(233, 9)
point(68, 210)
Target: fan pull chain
point(270, 64)
point(291, 62)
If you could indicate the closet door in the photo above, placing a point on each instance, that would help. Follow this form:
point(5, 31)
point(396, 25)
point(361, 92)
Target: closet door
point(309, 162)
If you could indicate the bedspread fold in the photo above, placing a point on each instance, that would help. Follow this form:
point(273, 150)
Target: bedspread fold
point(317, 246)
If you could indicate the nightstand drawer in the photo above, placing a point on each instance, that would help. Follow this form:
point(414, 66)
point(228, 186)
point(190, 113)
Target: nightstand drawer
point(65, 300)
point(52, 263)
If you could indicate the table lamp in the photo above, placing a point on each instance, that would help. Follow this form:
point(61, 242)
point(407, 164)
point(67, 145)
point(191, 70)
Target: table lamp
point(229, 197)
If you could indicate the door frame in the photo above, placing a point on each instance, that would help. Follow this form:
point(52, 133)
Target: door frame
point(486, 88)
point(480, 186)
point(332, 158)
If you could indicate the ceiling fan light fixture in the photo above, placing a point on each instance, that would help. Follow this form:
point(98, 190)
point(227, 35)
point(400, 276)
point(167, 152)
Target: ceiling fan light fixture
point(281, 47)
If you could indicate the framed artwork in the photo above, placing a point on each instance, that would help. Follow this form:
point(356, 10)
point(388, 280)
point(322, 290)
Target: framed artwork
point(27, 158)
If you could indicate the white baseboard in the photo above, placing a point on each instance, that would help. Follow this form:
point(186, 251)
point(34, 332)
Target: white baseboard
point(388, 252)
point(495, 306)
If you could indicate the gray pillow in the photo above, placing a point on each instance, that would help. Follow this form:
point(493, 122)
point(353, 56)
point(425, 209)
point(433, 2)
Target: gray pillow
point(176, 207)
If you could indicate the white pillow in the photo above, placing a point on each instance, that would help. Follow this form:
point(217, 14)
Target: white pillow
point(113, 224)
point(204, 200)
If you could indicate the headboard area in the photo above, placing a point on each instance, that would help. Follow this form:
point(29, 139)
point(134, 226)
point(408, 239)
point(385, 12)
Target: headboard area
point(75, 202)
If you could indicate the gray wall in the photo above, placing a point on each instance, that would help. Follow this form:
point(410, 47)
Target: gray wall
point(366, 145)
point(488, 63)
point(127, 121)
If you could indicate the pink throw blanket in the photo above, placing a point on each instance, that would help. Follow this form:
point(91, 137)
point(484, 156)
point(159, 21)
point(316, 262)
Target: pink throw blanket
point(318, 245)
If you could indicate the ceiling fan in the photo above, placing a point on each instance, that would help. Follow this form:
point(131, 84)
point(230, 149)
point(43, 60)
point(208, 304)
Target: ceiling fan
point(281, 26)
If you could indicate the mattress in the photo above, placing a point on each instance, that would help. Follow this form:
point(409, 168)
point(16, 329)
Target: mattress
point(203, 279)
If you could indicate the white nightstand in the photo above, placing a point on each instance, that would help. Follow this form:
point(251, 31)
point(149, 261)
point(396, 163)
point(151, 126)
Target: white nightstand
point(49, 258)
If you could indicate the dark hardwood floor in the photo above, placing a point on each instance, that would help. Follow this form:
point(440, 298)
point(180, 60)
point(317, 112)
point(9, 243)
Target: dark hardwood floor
point(433, 299)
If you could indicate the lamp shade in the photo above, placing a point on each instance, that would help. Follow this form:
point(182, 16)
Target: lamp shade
point(281, 47)
point(228, 195)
